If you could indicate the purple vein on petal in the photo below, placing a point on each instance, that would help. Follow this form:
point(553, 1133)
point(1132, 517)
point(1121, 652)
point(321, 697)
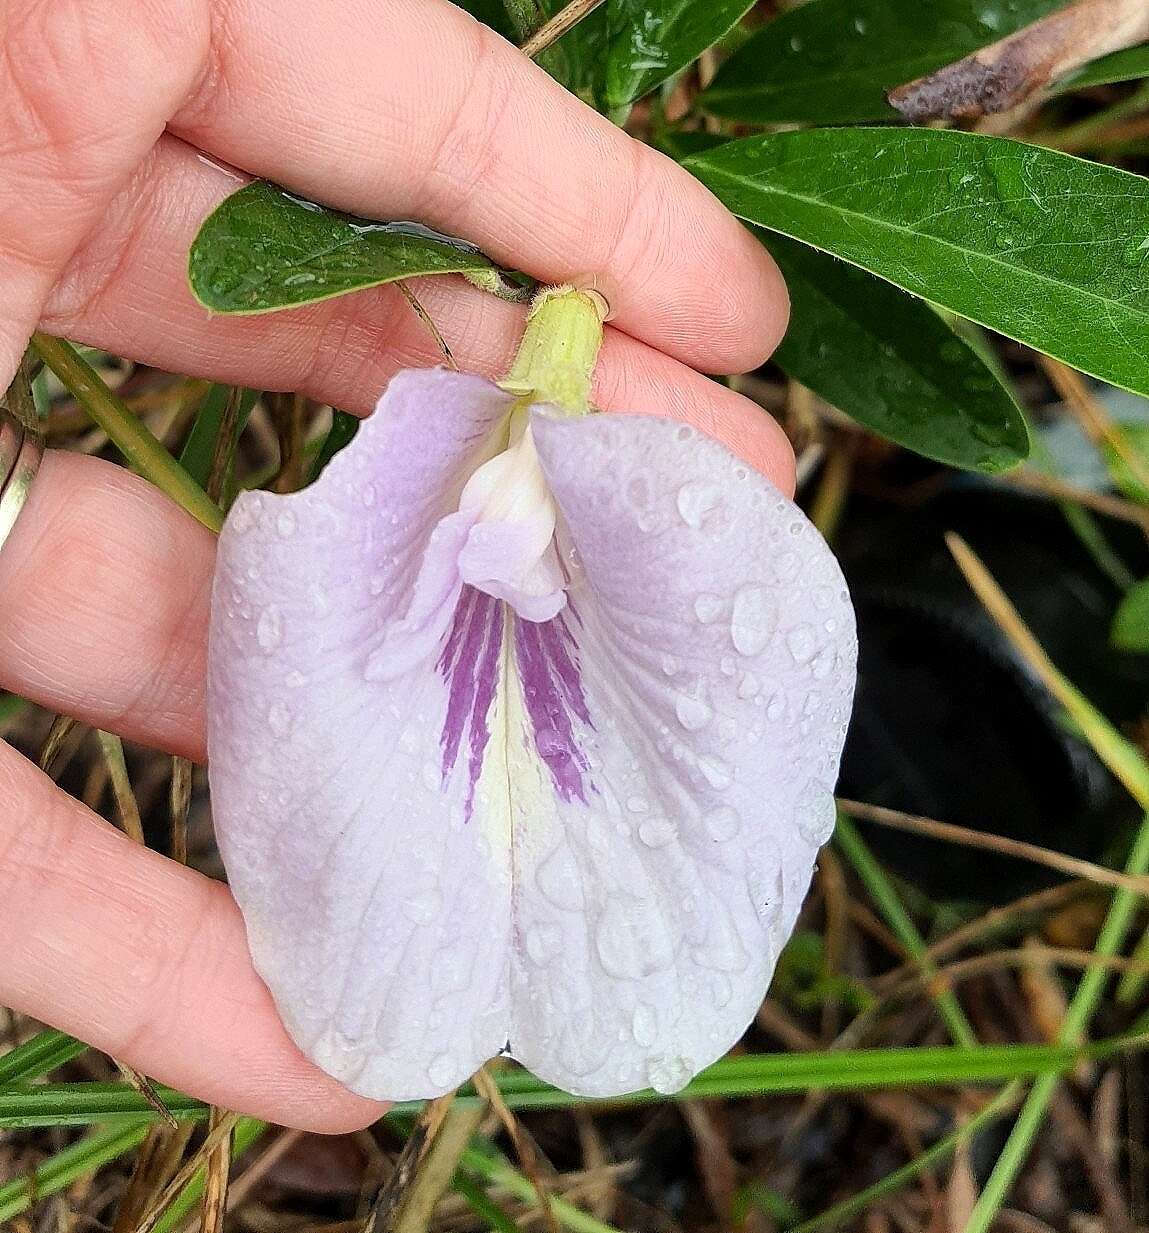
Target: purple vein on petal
point(470, 666)
point(552, 688)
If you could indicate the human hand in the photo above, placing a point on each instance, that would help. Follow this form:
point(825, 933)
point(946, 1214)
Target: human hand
point(407, 110)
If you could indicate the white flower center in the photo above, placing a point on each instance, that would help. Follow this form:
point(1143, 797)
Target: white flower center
point(510, 552)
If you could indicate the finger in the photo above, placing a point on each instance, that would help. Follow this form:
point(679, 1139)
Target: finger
point(412, 109)
point(126, 291)
point(73, 125)
point(146, 960)
point(105, 587)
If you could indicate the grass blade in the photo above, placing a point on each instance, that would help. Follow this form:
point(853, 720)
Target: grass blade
point(882, 892)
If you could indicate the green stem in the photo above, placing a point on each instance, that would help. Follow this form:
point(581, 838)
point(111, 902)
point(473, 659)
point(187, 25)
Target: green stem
point(882, 892)
point(139, 446)
point(560, 346)
point(1077, 1018)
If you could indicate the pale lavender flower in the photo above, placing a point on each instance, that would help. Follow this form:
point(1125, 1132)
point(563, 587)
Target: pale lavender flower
point(523, 731)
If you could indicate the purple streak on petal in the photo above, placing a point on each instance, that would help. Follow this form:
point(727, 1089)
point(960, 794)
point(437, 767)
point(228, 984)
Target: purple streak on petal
point(470, 666)
point(553, 692)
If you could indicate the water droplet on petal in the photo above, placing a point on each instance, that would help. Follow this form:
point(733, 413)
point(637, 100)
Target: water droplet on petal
point(279, 718)
point(669, 1074)
point(269, 630)
point(558, 879)
point(285, 523)
point(716, 773)
point(693, 713)
point(764, 886)
point(656, 832)
point(708, 608)
point(294, 680)
point(643, 1026)
point(617, 944)
point(801, 643)
point(243, 514)
point(695, 500)
point(817, 814)
point(753, 621)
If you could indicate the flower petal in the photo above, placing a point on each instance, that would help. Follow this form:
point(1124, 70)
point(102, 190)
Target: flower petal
point(700, 682)
point(374, 877)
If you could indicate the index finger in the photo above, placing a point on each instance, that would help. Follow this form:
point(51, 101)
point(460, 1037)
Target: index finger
point(412, 109)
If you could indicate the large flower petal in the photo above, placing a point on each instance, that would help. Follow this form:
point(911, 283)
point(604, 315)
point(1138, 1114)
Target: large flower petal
point(689, 707)
point(374, 874)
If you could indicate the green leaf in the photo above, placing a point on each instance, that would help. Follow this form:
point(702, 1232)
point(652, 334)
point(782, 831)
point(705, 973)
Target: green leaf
point(10, 707)
point(1131, 624)
point(652, 40)
point(1045, 248)
point(890, 362)
point(199, 448)
point(832, 61)
point(576, 59)
point(59, 1171)
point(38, 1055)
point(263, 249)
point(1130, 64)
point(749, 1074)
point(1137, 438)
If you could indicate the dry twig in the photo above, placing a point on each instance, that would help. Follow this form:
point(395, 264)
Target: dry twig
point(1007, 73)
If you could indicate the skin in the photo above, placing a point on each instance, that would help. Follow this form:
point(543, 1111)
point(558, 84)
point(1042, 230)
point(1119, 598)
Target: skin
point(121, 123)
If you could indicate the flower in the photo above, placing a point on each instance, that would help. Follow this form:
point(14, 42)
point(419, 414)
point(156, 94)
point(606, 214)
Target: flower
point(523, 727)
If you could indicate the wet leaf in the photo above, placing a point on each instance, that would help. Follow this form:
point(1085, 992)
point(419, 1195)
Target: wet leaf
point(1131, 624)
point(1042, 247)
point(575, 60)
point(1129, 65)
point(832, 61)
point(890, 362)
point(263, 249)
point(653, 39)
